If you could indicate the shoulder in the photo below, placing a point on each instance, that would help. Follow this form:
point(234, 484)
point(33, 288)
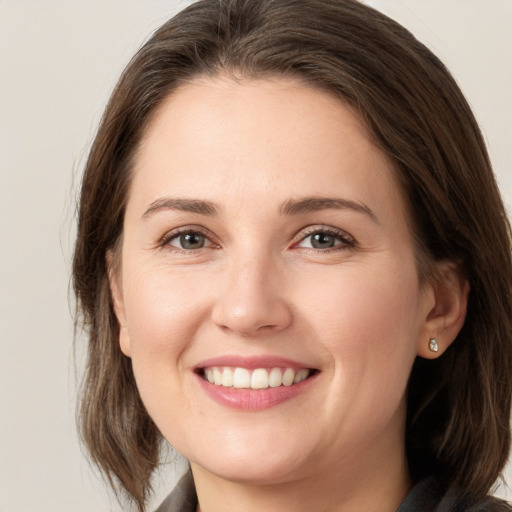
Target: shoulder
point(429, 496)
point(183, 498)
point(488, 504)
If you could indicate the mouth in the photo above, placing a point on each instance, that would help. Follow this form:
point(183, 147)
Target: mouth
point(257, 378)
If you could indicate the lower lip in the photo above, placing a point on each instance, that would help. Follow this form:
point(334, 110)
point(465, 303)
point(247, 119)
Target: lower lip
point(254, 399)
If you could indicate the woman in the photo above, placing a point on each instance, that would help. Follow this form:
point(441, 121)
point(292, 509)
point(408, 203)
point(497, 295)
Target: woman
point(294, 265)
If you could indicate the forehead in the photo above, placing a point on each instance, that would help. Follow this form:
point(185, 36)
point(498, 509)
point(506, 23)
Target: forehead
point(280, 108)
point(255, 137)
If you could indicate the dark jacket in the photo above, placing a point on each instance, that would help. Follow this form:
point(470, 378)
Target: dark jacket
point(426, 496)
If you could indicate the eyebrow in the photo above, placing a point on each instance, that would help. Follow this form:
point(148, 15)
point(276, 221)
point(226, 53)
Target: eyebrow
point(312, 204)
point(184, 205)
point(290, 207)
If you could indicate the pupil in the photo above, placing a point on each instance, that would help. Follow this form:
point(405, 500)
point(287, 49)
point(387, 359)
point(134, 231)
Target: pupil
point(192, 241)
point(321, 241)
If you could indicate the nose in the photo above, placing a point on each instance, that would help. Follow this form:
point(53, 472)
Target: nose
point(252, 299)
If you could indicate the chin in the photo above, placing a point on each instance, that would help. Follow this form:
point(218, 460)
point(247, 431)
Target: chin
point(252, 463)
point(258, 472)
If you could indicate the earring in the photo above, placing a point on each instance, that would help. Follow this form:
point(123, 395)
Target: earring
point(433, 345)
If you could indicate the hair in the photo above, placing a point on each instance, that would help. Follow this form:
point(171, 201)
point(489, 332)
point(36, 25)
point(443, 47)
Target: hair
point(459, 404)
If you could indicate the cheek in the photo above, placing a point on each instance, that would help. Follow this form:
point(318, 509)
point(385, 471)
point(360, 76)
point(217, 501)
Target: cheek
point(160, 305)
point(369, 332)
point(164, 313)
point(368, 322)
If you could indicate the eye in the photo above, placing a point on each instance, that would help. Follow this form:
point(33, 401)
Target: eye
point(326, 239)
point(188, 240)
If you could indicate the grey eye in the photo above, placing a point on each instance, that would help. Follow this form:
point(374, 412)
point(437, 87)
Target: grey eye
point(189, 241)
point(322, 241)
point(325, 239)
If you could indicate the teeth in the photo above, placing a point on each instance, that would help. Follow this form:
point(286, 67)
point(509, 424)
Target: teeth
point(260, 378)
point(288, 377)
point(227, 377)
point(300, 376)
point(241, 378)
point(217, 377)
point(275, 379)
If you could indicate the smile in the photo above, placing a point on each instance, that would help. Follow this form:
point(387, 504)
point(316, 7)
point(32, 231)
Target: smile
point(258, 378)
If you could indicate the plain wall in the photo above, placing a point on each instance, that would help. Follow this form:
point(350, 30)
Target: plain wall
point(58, 63)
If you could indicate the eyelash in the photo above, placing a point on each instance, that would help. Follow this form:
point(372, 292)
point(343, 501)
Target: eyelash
point(347, 241)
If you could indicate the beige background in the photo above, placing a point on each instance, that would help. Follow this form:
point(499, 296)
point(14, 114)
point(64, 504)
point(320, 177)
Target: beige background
point(58, 63)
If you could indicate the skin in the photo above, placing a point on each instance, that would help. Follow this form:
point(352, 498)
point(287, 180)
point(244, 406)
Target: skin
point(356, 312)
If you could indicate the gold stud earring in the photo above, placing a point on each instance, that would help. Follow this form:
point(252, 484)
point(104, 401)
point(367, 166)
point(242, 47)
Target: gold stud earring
point(433, 345)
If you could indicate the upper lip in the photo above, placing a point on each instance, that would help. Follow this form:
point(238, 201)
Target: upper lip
point(251, 363)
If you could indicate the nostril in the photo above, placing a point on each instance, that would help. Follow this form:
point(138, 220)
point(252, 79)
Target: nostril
point(252, 318)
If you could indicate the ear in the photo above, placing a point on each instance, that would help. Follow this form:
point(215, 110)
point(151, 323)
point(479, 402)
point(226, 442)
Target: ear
point(447, 312)
point(116, 292)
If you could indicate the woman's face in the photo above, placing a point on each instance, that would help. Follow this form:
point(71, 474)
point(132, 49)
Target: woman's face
point(266, 240)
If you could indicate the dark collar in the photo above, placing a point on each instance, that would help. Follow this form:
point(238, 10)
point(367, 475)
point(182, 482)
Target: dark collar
point(183, 498)
point(425, 496)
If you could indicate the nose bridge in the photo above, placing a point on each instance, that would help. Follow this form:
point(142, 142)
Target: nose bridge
point(252, 297)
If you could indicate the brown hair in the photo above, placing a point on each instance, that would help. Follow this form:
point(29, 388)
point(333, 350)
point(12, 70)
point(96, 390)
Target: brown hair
point(458, 405)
